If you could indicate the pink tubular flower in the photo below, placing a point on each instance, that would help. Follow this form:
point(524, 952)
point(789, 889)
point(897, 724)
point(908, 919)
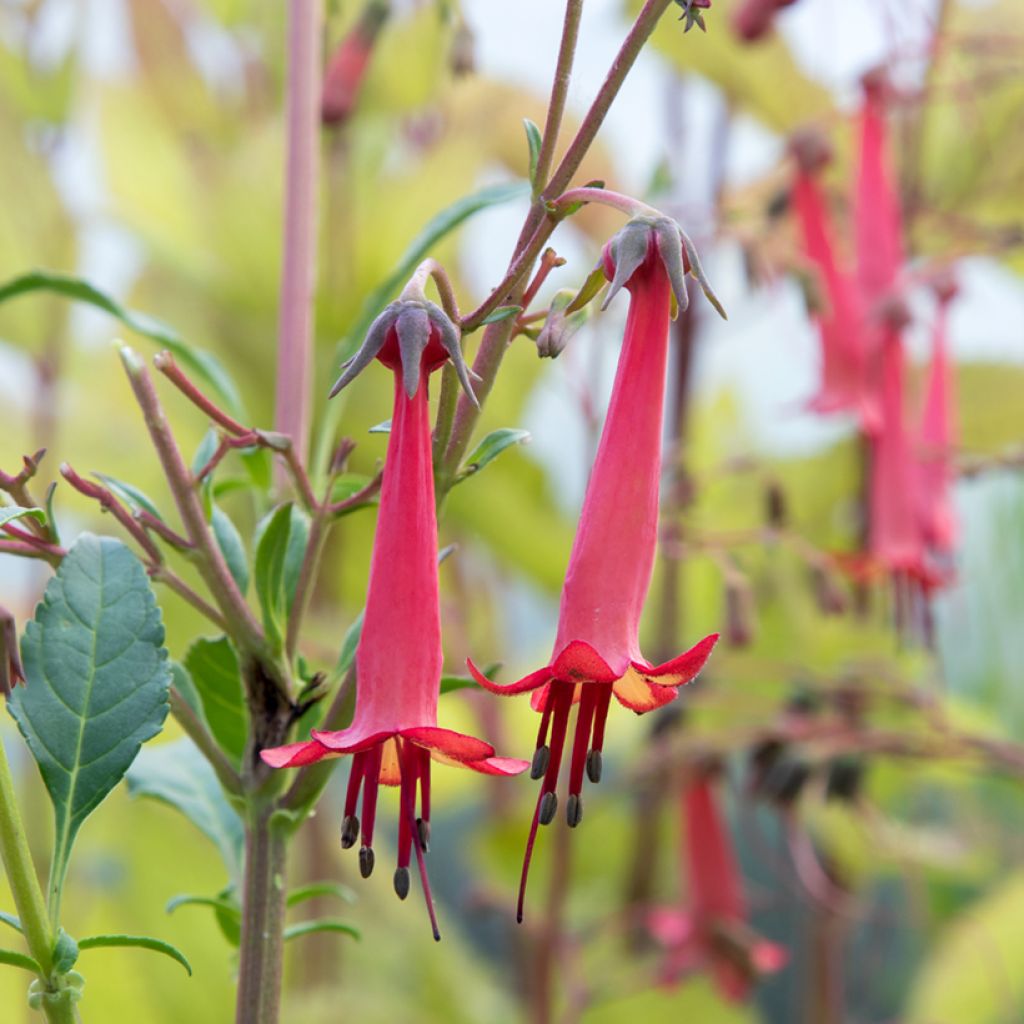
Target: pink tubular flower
point(596, 652)
point(840, 324)
point(938, 433)
point(398, 661)
point(713, 931)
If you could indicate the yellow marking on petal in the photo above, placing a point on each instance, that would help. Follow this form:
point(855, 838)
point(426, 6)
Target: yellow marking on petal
point(635, 691)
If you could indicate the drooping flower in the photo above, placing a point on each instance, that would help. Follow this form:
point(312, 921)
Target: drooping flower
point(843, 383)
point(11, 671)
point(394, 734)
point(711, 931)
point(349, 64)
point(938, 432)
point(597, 653)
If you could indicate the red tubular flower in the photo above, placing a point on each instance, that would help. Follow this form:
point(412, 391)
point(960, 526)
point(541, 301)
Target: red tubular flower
point(712, 932)
point(349, 64)
point(840, 325)
point(938, 433)
point(597, 653)
point(398, 662)
point(879, 232)
point(11, 671)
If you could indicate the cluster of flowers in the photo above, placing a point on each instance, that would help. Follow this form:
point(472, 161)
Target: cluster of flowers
point(911, 524)
point(394, 734)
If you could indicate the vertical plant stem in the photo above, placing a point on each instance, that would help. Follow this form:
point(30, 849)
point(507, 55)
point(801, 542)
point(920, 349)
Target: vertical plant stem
point(261, 949)
point(21, 874)
point(298, 271)
point(28, 895)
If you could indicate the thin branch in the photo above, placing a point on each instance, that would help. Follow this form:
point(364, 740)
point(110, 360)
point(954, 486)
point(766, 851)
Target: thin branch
point(165, 364)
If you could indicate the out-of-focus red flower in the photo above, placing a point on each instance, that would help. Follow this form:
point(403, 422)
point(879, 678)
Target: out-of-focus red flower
point(11, 672)
point(349, 64)
point(711, 931)
point(597, 652)
point(754, 18)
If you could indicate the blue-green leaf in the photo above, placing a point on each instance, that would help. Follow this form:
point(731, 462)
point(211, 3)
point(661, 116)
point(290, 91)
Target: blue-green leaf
point(65, 952)
point(135, 499)
point(203, 363)
point(213, 667)
point(137, 942)
point(316, 889)
point(490, 448)
point(281, 539)
point(12, 959)
point(384, 427)
point(10, 920)
point(501, 313)
point(533, 140)
point(9, 513)
point(98, 679)
point(327, 924)
point(347, 654)
point(177, 774)
point(231, 547)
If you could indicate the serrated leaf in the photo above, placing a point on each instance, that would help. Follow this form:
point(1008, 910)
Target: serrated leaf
point(490, 448)
point(12, 959)
point(98, 679)
point(9, 513)
point(231, 547)
point(300, 928)
point(213, 667)
point(135, 499)
point(501, 313)
point(316, 889)
point(136, 942)
point(10, 920)
point(435, 229)
point(203, 363)
point(533, 140)
point(281, 539)
point(177, 774)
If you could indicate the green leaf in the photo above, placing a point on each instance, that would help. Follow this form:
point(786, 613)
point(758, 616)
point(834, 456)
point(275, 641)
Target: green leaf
point(182, 682)
point(327, 924)
point(490, 448)
point(213, 667)
point(129, 494)
point(440, 225)
point(203, 363)
point(10, 920)
point(533, 140)
point(98, 679)
point(281, 539)
point(347, 484)
point(12, 959)
point(177, 774)
point(65, 952)
point(215, 902)
point(231, 547)
point(50, 517)
point(593, 284)
point(347, 654)
point(315, 889)
point(8, 513)
point(137, 942)
point(501, 313)
point(449, 684)
point(205, 451)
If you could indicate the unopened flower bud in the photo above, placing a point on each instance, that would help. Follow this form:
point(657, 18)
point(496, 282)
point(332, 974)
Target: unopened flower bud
point(11, 671)
point(462, 54)
point(811, 149)
point(560, 327)
point(349, 64)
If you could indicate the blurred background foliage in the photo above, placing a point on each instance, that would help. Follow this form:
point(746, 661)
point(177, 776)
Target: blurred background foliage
point(142, 148)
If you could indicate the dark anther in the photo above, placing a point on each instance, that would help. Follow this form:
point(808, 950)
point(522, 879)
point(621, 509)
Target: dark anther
point(845, 776)
point(785, 780)
point(595, 765)
point(349, 831)
point(548, 806)
point(365, 861)
point(402, 882)
point(574, 810)
point(539, 766)
point(423, 830)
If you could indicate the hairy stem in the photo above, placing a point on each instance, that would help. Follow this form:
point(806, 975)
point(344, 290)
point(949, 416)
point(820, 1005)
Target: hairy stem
point(261, 948)
point(298, 271)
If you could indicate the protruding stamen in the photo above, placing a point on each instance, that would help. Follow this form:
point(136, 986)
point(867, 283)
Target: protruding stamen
point(589, 697)
point(539, 765)
point(548, 806)
point(604, 699)
point(349, 831)
point(408, 756)
point(402, 879)
point(594, 766)
point(527, 857)
point(574, 810)
point(355, 780)
point(366, 861)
